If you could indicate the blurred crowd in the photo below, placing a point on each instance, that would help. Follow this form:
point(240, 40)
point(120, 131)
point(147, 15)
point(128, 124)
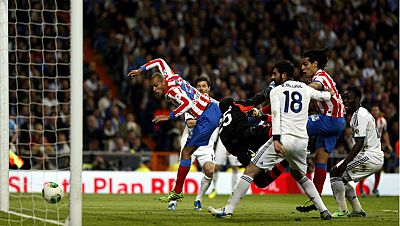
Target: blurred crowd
point(39, 83)
point(233, 42)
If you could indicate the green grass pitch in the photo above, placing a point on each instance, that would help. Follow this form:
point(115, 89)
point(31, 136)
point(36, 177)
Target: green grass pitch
point(116, 210)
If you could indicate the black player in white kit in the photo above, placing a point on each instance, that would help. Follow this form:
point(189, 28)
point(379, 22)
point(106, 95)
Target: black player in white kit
point(364, 159)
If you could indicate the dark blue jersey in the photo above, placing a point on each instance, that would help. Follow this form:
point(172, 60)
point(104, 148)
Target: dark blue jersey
point(240, 137)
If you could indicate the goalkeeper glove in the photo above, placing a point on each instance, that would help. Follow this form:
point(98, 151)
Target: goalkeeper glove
point(254, 112)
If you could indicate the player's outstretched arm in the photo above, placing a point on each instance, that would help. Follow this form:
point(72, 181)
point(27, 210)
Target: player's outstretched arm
point(162, 66)
point(161, 118)
point(134, 73)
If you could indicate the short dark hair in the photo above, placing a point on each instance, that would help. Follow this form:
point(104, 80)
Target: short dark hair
point(285, 66)
point(203, 79)
point(225, 103)
point(375, 104)
point(354, 90)
point(318, 55)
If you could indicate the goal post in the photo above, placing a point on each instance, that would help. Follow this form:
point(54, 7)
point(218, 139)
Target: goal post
point(41, 84)
point(76, 113)
point(4, 114)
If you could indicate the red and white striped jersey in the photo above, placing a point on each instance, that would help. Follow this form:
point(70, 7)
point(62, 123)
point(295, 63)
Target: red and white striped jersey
point(381, 125)
point(179, 91)
point(333, 107)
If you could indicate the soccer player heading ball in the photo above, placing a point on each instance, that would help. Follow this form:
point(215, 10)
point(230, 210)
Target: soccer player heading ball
point(188, 99)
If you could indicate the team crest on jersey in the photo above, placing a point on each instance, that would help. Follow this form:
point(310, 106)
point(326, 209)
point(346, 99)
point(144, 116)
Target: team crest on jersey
point(356, 131)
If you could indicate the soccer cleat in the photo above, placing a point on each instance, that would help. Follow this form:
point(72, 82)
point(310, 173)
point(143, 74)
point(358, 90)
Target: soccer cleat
point(339, 213)
point(197, 205)
point(215, 211)
point(213, 194)
point(376, 192)
point(357, 214)
point(325, 215)
point(362, 193)
point(219, 212)
point(171, 196)
point(308, 206)
point(172, 205)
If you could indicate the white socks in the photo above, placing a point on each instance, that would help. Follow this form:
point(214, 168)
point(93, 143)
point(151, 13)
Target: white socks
point(204, 185)
point(309, 188)
point(235, 176)
point(215, 179)
point(352, 198)
point(238, 193)
point(339, 193)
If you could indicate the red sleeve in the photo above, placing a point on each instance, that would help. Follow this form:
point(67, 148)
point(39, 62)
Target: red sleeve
point(182, 99)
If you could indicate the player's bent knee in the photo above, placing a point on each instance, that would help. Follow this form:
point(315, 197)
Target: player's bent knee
point(209, 168)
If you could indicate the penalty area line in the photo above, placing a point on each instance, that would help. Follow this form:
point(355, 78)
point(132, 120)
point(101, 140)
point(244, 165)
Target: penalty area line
point(393, 211)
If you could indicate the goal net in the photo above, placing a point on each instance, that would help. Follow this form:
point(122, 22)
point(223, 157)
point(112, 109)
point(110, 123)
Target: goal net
point(40, 119)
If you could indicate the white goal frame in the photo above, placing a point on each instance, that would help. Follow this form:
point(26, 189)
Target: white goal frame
point(76, 58)
point(4, 108)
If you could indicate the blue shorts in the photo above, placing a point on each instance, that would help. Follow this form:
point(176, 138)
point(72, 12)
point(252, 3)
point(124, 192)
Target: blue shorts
point(205, 126)
point(327, 129)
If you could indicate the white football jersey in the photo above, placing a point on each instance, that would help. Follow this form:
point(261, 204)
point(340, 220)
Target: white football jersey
point(363, 125)
point(289, 105)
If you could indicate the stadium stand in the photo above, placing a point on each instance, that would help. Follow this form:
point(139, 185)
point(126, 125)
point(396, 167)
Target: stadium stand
point(235, 43)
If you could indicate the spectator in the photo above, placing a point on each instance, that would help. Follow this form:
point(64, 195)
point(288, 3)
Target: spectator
point(99, 163)
point(109, 132)
point(144, 166)
point(219, 39)
point(93, 133)
point(241, 47)
point(120, 145)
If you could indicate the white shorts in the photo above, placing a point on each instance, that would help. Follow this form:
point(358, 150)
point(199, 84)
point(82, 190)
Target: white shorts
point(222, 156)
point(296, 154)
point(362, 166)
point(203, 154)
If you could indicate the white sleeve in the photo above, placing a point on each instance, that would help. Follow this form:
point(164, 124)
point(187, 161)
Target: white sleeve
point(163, 67)
point(360, 126)
point(276, 111)
point(189, 117)
point(318, 95)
